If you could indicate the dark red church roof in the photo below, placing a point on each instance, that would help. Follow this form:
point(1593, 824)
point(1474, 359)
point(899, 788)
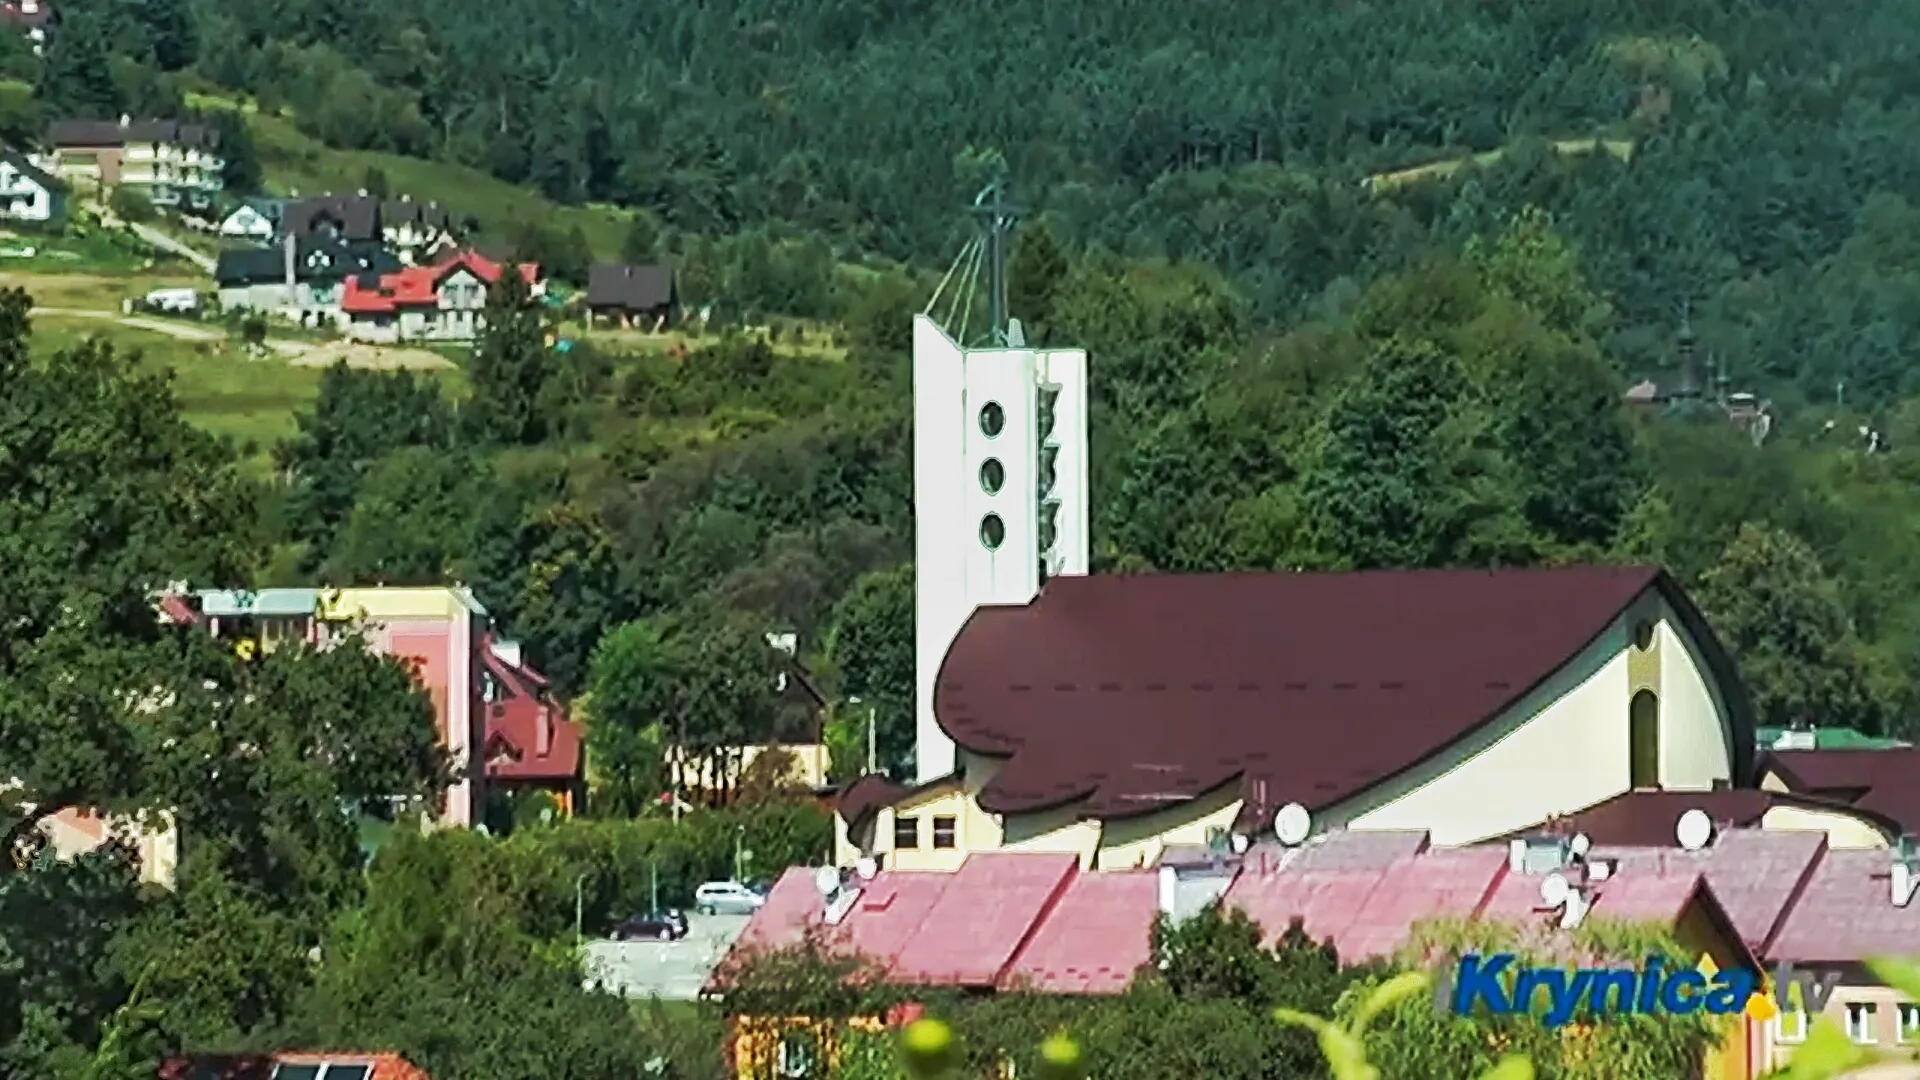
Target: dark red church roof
point(1882, 782)
point(1649, 818)
point(1139, 691)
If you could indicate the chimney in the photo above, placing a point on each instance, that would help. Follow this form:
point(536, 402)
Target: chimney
point(1169, 890)
point(287, 264)
point(543, 739)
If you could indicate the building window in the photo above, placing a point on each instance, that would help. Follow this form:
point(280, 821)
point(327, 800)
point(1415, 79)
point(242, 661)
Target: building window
point(1643, 740)
point(906, 833)
point(1909, 1022)
point(1790, 1026)
point(943, 832)
point(1643, 635)
point(993, 419)
point(1860, 1017)
point(993, 476)
point(993, 531)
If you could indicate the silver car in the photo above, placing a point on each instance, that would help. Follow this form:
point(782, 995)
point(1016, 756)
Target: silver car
point(726, 898)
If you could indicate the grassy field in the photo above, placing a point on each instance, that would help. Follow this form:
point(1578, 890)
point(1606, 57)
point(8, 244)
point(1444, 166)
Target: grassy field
point(294, 161)
point(93, 252)
point(98, 289)
point(220, 387)
point(1379, 183)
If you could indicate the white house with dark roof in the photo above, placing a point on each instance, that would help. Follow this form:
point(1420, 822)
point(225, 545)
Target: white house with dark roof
point(29, 195)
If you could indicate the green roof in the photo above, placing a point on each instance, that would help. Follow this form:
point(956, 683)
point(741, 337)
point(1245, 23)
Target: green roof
point(1835, 738)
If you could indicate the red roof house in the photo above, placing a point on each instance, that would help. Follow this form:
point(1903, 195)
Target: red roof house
point(530, 741)
point(438, 302)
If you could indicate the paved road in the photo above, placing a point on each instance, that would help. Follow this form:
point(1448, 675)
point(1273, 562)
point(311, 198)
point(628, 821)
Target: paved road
point(167, 243)
point(671, 970)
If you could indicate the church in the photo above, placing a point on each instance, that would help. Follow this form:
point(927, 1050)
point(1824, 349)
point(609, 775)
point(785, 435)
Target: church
point(1116, 716)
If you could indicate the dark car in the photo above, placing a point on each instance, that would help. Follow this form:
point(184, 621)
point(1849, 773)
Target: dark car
point(664, 926)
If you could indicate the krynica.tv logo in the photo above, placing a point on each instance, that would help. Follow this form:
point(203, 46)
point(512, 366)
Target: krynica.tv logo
point(1501, 984)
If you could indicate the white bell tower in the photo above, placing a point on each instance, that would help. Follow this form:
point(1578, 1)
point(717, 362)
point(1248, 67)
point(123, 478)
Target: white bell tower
point(999, 469)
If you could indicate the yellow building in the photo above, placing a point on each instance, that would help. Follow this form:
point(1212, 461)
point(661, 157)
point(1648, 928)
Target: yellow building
point(1116, 715)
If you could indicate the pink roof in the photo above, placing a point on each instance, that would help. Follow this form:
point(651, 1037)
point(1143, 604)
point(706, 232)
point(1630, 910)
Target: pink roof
point(791, 905)
point(892, 912)
point(1450, 883)
point(1846, 913)
point(1096, 938)
point(983, 916)
point(1755, 875)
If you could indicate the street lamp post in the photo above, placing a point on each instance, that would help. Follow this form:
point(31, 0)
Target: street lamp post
point(872, 755)
point(579, 908)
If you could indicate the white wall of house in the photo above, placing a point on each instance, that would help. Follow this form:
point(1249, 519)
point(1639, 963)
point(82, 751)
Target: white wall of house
point(23, 198)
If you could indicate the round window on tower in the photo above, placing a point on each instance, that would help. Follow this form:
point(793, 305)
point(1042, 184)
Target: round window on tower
point(993, 531)
point(993, 419)
point(992, 476)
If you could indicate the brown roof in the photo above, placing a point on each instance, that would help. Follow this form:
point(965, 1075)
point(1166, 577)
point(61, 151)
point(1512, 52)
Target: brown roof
point(865, 797)
point(1139, 691)
point(630, 288)
point(1885, 783)
point(1648, 818)
point(102, 133)
point(353, 217)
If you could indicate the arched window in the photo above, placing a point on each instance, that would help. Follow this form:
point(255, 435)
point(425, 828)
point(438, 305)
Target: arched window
point(1643, 740)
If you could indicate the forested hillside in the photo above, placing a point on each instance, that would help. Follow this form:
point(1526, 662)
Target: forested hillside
point(1239, 134)
point(1363, 284)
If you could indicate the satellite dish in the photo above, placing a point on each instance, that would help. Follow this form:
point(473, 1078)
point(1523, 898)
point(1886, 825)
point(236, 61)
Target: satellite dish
point(1554, 890)
point(1580, 845)
point(1240, 843)
point(827, 880)
point(866, 868)
point(1292, 824)
point(1694, 830)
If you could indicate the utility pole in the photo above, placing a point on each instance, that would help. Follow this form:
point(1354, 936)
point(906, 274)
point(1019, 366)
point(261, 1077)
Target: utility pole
point(739, 846)
point(653, 884)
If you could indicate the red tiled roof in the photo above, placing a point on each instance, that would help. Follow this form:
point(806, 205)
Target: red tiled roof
point(983, 916)
point(1442, 884)
point(418, 286)
point(1883, 782)
point(965, 928)
point(1017, 919)
point(1845, 913)
point(1755, 875)
point(260, 1066)
point(1098, 935)
point(1355, 892)
point(1305, 687)
point(1648, 818)
point(514, 749)
point(177, 610)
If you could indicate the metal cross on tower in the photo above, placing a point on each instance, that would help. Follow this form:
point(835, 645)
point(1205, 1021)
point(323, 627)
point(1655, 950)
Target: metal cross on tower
point(997, 217)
